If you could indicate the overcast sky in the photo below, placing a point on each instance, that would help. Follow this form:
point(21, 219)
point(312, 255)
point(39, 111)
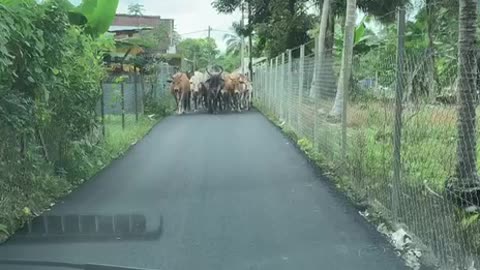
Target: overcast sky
point(189, 15)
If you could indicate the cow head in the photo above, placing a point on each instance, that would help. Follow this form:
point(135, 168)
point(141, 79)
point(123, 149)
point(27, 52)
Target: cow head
point(215, 82)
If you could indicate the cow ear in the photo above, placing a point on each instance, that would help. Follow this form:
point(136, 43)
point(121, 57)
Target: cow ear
point(169, 81)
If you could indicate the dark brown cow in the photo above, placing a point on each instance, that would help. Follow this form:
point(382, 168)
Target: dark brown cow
point(180, 89)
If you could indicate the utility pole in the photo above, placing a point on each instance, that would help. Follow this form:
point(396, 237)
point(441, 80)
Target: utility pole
point(194, 61)
point(209, 31)
point(250, 64)
point(242, 41)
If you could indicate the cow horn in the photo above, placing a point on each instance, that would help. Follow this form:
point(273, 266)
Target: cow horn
point(208, 72)
point(221, 69)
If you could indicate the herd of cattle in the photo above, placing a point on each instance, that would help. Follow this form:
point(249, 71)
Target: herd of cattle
point(214, 91)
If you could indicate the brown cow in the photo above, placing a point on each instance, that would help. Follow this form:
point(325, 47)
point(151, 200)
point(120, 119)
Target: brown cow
point(180, 89)
point(232, 91)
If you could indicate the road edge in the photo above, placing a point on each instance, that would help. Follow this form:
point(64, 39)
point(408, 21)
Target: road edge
point(5, 235)
point(404, 243)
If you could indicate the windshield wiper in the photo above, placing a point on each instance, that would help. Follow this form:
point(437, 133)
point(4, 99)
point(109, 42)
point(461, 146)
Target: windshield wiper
point(87, 266)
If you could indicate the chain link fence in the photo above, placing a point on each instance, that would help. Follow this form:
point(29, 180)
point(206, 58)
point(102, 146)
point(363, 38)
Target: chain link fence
point(131, 96)
point(302, 93)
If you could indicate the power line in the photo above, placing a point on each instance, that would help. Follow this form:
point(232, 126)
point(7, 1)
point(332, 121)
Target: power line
point(194, 32)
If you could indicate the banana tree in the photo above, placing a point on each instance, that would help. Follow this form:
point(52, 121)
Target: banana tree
point(363, 39)
point(95, 15)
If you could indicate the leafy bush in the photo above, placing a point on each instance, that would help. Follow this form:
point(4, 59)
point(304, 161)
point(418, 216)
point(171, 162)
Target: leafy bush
point(50, 73)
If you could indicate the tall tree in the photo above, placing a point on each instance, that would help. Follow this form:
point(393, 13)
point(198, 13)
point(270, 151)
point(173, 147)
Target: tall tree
point(233, 40)
point(136, 9)
point(320, 47)
point(466, 183)
point(279, 24)
point(233, 43)
point(347, 57)
point(202, 50)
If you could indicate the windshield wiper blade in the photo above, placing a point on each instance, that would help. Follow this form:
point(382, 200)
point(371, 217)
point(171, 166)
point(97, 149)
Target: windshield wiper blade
point(88, 266)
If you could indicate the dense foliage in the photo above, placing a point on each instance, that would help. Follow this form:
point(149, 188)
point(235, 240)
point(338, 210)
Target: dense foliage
point(202, 51)
point(50, 73)
point(277, 24)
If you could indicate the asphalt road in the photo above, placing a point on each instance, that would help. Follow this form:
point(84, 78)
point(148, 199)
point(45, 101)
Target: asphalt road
point(209, 192)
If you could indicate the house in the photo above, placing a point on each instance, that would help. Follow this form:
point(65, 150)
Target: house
point(133, 22)
point(128, 29)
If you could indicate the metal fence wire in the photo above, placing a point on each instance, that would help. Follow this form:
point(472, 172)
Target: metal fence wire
point(129, 95)
point(301, 93)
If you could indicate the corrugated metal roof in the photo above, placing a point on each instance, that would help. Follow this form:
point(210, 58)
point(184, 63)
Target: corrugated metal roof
point(118, 28)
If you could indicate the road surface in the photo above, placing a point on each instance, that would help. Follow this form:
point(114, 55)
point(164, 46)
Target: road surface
point(210, 192)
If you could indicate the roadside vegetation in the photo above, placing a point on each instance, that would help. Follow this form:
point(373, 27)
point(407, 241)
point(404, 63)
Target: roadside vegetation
point(50, 73)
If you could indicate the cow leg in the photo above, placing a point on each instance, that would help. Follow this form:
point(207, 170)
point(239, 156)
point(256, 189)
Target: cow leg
point(195, 101)
point(210, 103)
point(238, 101)
point(204, 100)
point(217, 103)
point(241, 101)
point(182, 103)
point(176, 101)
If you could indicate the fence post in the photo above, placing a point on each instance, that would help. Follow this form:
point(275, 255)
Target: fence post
point(275, 89)
point(270, 85)
point(282, 91)
point(122, 93)
point(397, 129)
point(135, 81)
point(301, 71)
point(289, 89)
point(102, 108)
point(315, 94)
point(142, 97)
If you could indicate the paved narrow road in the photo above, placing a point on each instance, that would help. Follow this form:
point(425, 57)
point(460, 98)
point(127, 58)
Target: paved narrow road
point(228, 192)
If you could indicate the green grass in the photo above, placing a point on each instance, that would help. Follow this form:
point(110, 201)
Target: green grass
point(118, 140)
point(30, 186)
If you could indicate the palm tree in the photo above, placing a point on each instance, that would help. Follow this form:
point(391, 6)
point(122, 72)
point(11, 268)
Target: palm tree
point(233, 39)
point(320, 46)
point(378, 8)
point(465, 184)
point(233, 43)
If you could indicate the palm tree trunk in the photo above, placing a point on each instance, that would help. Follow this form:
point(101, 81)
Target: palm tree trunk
point(320, 49)
point(347, 55)
point(432, 70)
point(466, 184)
point(330, 36)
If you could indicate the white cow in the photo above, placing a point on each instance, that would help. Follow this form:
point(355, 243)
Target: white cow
point(246, 92)
point(198, 88)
